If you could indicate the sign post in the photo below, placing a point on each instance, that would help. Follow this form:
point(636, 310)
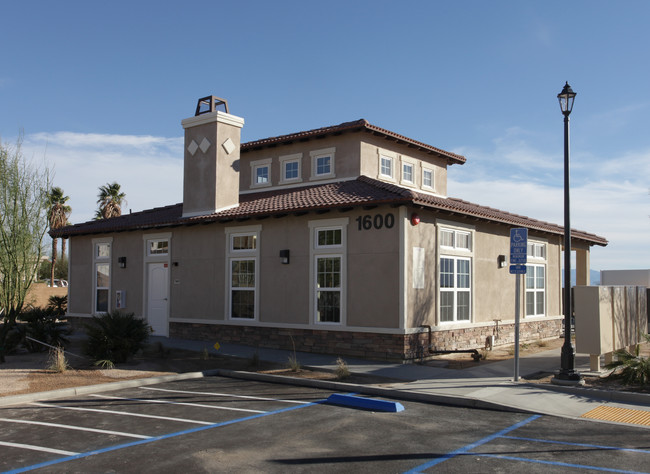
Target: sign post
point(518, 257)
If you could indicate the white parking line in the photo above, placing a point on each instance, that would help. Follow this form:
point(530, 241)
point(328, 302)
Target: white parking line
point(38, 448)
point(71, 427)
point(125, 413)
point(200, 405)
point(298, 402)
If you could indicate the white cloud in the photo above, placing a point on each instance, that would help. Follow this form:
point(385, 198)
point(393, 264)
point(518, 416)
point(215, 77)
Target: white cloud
point(609, 195)
point(149, 169)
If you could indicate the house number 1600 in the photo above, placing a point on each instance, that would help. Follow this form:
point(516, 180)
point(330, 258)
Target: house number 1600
point(377, 221)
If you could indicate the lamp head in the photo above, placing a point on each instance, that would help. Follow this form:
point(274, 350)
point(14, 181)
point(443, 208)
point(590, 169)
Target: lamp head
point(566, 98)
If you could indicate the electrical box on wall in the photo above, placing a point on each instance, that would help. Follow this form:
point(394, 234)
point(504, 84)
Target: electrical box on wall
point(120, 299)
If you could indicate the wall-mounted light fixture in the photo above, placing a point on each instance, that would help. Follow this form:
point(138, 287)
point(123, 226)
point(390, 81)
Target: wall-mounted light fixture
point(284, 256)
point(415, 219)
point(121, 261)
point(501, 259)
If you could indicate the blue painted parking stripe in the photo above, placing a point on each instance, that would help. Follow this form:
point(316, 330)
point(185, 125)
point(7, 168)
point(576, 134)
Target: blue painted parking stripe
point(582, 445)
point(556, 463)
point(157, 438)
point(471, 446)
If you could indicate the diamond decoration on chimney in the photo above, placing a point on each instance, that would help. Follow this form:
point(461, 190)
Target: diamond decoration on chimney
point(192, 147)
point(205, 144)
point(229, 146)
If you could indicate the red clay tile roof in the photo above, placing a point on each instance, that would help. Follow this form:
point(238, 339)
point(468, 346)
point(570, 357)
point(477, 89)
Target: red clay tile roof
point(363, 191)
point(356, 126)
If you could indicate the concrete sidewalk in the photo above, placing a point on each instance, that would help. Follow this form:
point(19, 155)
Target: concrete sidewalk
point(487, 385)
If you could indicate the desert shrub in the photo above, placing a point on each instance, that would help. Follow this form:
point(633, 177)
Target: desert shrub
point(631, 369)
point(41, 325)
point(342, 370)
point(58, 305)
point(115, 336)
point(58, 361)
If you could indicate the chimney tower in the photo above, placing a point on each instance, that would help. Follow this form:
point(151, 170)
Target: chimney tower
point(211, 168)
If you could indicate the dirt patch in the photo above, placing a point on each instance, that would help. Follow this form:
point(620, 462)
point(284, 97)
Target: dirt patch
point(31, 373)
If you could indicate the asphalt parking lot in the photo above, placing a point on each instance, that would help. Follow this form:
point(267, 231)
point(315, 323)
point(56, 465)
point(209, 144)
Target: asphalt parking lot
point(217, 424)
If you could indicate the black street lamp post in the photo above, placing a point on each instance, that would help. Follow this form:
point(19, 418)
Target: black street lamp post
point(567, 372)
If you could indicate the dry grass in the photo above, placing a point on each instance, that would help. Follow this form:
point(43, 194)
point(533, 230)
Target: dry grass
point(57, 361)
point(342, 370)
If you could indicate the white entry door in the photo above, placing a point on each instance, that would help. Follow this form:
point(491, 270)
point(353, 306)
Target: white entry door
point(158, 297)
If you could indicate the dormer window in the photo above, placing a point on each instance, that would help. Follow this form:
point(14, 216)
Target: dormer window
point(322, 163)
point(291, 168)
point(427, 179)
point(386, 166)
point(408, 171)
point(261, 173)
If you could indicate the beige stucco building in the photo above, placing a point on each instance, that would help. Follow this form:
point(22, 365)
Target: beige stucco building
point(340, 240)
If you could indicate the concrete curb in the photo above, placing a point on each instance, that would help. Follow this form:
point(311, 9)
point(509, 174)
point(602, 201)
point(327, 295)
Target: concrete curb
point(386, 392)
point(400, 394)
point(103, 387)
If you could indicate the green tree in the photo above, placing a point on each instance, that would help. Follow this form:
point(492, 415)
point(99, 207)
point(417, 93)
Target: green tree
point(110, 200)
point(23, 223)
point(58, 217)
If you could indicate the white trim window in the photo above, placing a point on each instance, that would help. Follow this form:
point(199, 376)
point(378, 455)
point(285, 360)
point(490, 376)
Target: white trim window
point(427, 179)
point(261, 173)
point(455, 288)
point(322, 163)
point(456, 239)
point(536, 279)
point(242, 283)
point(328, 271)
point(157, 247)
point(291, 168)
point(101, 275)
point(386, 166)
point(455, 278)
point(408, 171)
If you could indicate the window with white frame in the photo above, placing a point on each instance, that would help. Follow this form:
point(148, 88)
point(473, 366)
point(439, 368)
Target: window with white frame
point(291, 168)
point(328, 250)
point(242, 281)
point(261, 173)
point(407, 173)
point(102, 276)
point(455, 274)
point(386, 166)
point(156, 247)
point(456, 239)
point(455, 288)
point(427, 178)
point(322, 163)
point(536, 279)
point(535, 289)
point(536, 250)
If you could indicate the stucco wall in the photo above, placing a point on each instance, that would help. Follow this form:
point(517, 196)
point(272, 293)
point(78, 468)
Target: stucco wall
point(346, 163)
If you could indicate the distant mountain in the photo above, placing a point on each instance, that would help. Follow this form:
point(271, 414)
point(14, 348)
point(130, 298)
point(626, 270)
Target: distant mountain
point(594, 277)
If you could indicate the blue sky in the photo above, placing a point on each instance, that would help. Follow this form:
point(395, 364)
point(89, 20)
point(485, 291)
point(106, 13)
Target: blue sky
point(100, 88)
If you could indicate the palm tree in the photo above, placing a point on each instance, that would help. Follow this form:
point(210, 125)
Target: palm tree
point(58, 217)
point(110, 201)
